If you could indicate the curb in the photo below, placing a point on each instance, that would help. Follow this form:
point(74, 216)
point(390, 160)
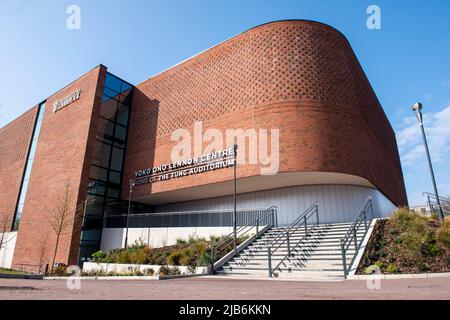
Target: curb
point(400, 276)
point(144, 278)
point(21, 276)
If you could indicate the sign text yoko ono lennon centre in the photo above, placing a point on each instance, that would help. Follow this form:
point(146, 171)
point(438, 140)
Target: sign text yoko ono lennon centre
point(204, 163)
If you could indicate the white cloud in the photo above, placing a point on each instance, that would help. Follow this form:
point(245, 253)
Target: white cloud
point(446, 84)
point(437, 128)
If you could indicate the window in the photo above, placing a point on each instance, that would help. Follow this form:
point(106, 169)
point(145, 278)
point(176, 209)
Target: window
point(106, 168)
point(28, 167)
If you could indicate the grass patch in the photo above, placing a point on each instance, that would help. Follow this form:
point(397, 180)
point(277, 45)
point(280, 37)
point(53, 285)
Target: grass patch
point(408, 242)
point(9, 271)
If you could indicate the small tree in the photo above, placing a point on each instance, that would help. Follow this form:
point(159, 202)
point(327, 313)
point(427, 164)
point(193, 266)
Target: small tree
point(5, 227)
point(4, 223)
point(60, 217)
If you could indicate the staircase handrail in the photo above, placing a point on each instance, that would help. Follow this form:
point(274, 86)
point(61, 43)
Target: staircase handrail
point(266, 217)
point(351, 234)
point(432, 202)
point(284, 236)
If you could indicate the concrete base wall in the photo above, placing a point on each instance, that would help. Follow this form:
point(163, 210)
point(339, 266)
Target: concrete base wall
point(113, 238)
point(7, 248)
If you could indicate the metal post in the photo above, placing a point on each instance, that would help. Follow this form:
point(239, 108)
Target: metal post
point(289, 244)
point(344, 261)
point(212, 257)
point(269, 261)
point(354, 238)
point(235, 147)
point(317, 213)
point(129, 212)
point(419, 117)
point(257, 227)
point(306, 227)
point(365, 220)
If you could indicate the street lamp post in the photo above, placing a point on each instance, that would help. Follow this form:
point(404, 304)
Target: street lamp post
point(235, 147)
point(129, 211)
point(417, 107)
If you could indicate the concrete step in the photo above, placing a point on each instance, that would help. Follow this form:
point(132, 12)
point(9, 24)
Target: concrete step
point(317, 256)
point(307, 276)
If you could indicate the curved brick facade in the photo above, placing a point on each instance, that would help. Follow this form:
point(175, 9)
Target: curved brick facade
point(299, 76)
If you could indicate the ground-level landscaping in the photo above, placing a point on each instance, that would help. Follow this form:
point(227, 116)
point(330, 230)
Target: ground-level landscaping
point(10, 271)
point(408, 242)
point(186, 256)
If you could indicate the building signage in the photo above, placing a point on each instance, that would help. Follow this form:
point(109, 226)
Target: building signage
point(58, 105)
point(204, 163)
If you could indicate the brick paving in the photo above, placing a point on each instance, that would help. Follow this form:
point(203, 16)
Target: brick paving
point(225, 289)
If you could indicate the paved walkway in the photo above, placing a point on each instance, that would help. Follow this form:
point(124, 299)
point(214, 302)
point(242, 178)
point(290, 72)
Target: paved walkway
point(224, 289)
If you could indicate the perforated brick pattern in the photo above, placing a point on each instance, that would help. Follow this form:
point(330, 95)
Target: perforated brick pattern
point(301, 77)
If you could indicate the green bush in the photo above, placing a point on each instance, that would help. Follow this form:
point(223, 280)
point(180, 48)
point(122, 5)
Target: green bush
point(149, 272)
point(98, 256)
point(168, 271)
point(443, 235)
point(59, 271)
point(175, 257)
point(392, 268)
point(204, 260)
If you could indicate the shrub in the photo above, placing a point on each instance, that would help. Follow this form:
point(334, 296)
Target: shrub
point(174, 258)
point(59, 271)
point(392, 268)
point(192, 269)
point(98, 256)
point(140, 256)
point(168, 271)
point(204, 259)
point(149, 271)
point(379, 264)
point(180, 241)
point(443, 235)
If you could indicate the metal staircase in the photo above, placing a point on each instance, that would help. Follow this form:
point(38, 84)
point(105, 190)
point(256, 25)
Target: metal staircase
point(303, 250)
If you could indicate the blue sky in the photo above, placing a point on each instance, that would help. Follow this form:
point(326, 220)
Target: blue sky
point(406, 61)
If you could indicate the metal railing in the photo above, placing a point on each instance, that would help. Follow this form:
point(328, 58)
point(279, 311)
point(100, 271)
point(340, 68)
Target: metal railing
point(195, 218)
point(351, 236)
point(280, 239)
point(433, 204)
point(226, 244)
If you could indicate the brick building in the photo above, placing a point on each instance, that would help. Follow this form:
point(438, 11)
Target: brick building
point(91, 142)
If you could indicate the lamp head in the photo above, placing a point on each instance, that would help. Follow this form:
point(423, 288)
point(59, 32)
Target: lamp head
point(416, 107)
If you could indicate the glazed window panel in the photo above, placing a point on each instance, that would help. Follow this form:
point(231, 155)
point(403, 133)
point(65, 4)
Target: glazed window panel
point(113, 82)
point(110, 93)
point(123, 113)
point(108, 109)
point(102, 152)
point(28, 167)
point(105, 129)
point(98, 173)
point(117, 159)
point(120, 134)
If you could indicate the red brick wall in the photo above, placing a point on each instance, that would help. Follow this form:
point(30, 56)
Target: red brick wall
point(14, 144)
point(301, 77)
point(63, 155)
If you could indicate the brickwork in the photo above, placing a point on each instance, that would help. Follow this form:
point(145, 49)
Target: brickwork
point(62, 156)
point(298, 76)
point(14, 144)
